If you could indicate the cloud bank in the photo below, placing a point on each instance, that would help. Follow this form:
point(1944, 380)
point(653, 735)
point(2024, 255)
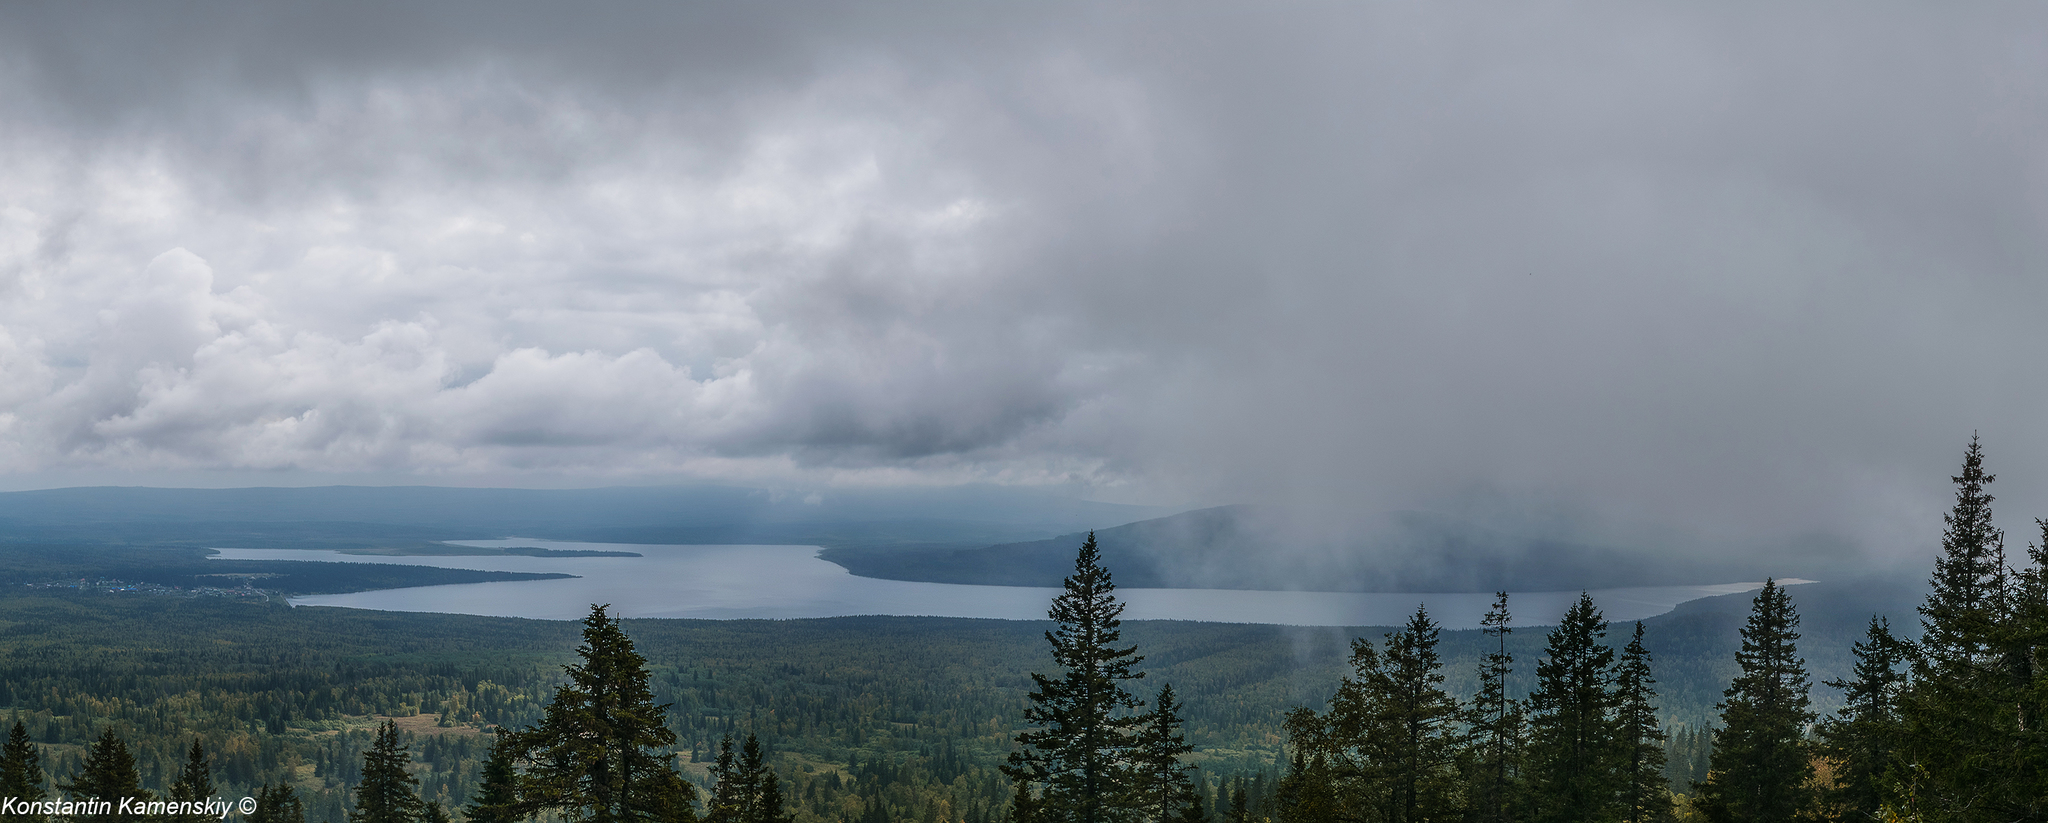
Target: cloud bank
point(1741, 269)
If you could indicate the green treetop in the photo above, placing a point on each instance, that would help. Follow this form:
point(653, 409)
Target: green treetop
point(1083, 723)
point(1760, 770)
point(108, 774)
point(1645, 795)
point(1573, 768)
point(593, 755)
point(388, 793)
point(21, 769)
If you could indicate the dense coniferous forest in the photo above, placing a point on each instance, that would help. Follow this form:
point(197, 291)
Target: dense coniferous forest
point(1803, 702)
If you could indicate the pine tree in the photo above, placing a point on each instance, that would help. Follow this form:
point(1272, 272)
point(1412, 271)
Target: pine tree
point(591, 755)
point(1760, 768)
point(1496, 723)
point(1573, 773)
point(1082, 740)
point(388, 793)
point(108, 774)
point(496, 799)
point(21, 769)
point(1645, 797)
point(1159, 781)
point(1860, 738)
point(195, 782)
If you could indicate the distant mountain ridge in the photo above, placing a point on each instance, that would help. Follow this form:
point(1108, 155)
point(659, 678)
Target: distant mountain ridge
point(394, 516)
point(1252, 547)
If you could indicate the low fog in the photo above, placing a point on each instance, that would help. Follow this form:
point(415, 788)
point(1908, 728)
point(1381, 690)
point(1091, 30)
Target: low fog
point(1676, 279)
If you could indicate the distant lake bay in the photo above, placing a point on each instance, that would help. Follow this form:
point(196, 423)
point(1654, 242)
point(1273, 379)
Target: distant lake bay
point(783, 582)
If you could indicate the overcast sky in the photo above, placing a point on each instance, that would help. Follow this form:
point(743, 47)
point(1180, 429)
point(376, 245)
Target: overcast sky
point(1738, 267)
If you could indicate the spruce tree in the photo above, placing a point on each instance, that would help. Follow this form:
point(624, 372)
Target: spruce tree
point(277, 804)
point(1967, 753)
point(108, 774)
point(744, 789)
point(1645, 796)
point(1496, 724)
point(1159, 781)
point(1023, 806)
point(1862, 735)
point(732, 788)
point(496, 799)
point(1079, 748)
point(21, 769)
point(1422, 758)
point(388, 793)
point(768, 809)
point(1391, 736)
point(1760, 767)
point(1573, 772)
point(194, 784)
point(592, 756)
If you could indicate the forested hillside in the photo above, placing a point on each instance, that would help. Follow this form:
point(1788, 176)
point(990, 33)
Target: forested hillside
point(909, 715)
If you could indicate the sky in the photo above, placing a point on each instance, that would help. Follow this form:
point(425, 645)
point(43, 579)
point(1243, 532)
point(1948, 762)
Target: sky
point(1721, 269)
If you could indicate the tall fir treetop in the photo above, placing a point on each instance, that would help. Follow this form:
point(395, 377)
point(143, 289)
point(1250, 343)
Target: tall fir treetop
point(388, 793)
point(594, 753)
point(21, 768)
point(1962, 611)
point(1090, 620)
point(1084, 725)
point(1761, 770)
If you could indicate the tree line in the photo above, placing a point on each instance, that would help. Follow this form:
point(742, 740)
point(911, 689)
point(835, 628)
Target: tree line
point(1947, 728)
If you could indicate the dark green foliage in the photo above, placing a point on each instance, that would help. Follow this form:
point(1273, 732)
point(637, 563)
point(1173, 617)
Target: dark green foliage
point(1023, 804)
point(1160, 787)
point(1971, 742)
point(277, 804)
point(745, 790)
point(1390, 741)
point(1687, 754)
point(1496, 727)
point(21, 769)
point(108, 774)
point(1573, 774)
point(496, 799)
point(388, 792)
point(1081, 735)
point(188, 567)
point(195, 782)
point(592, 755)
point(1860, 738)
point(1761, 768)
point(1645, 797)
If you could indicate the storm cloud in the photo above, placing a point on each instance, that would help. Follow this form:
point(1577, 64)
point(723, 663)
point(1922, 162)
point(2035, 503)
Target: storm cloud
point(1738, 269)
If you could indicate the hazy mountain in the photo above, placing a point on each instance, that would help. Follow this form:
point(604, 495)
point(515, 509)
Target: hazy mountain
point(338, 516)
point(1249, 547)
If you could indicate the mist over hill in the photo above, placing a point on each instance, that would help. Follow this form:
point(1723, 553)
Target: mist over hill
point(1255, 547)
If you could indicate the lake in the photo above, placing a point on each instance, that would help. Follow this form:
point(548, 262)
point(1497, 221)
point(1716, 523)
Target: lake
point(781, 582)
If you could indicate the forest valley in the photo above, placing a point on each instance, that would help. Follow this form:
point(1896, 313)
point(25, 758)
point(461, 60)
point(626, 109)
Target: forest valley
point(336, 715)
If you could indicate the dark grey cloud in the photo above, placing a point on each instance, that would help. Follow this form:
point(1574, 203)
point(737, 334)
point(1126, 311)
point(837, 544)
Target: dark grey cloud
point(1721, 272)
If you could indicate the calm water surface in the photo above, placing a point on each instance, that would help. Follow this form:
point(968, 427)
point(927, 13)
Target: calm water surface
point(722, 582)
